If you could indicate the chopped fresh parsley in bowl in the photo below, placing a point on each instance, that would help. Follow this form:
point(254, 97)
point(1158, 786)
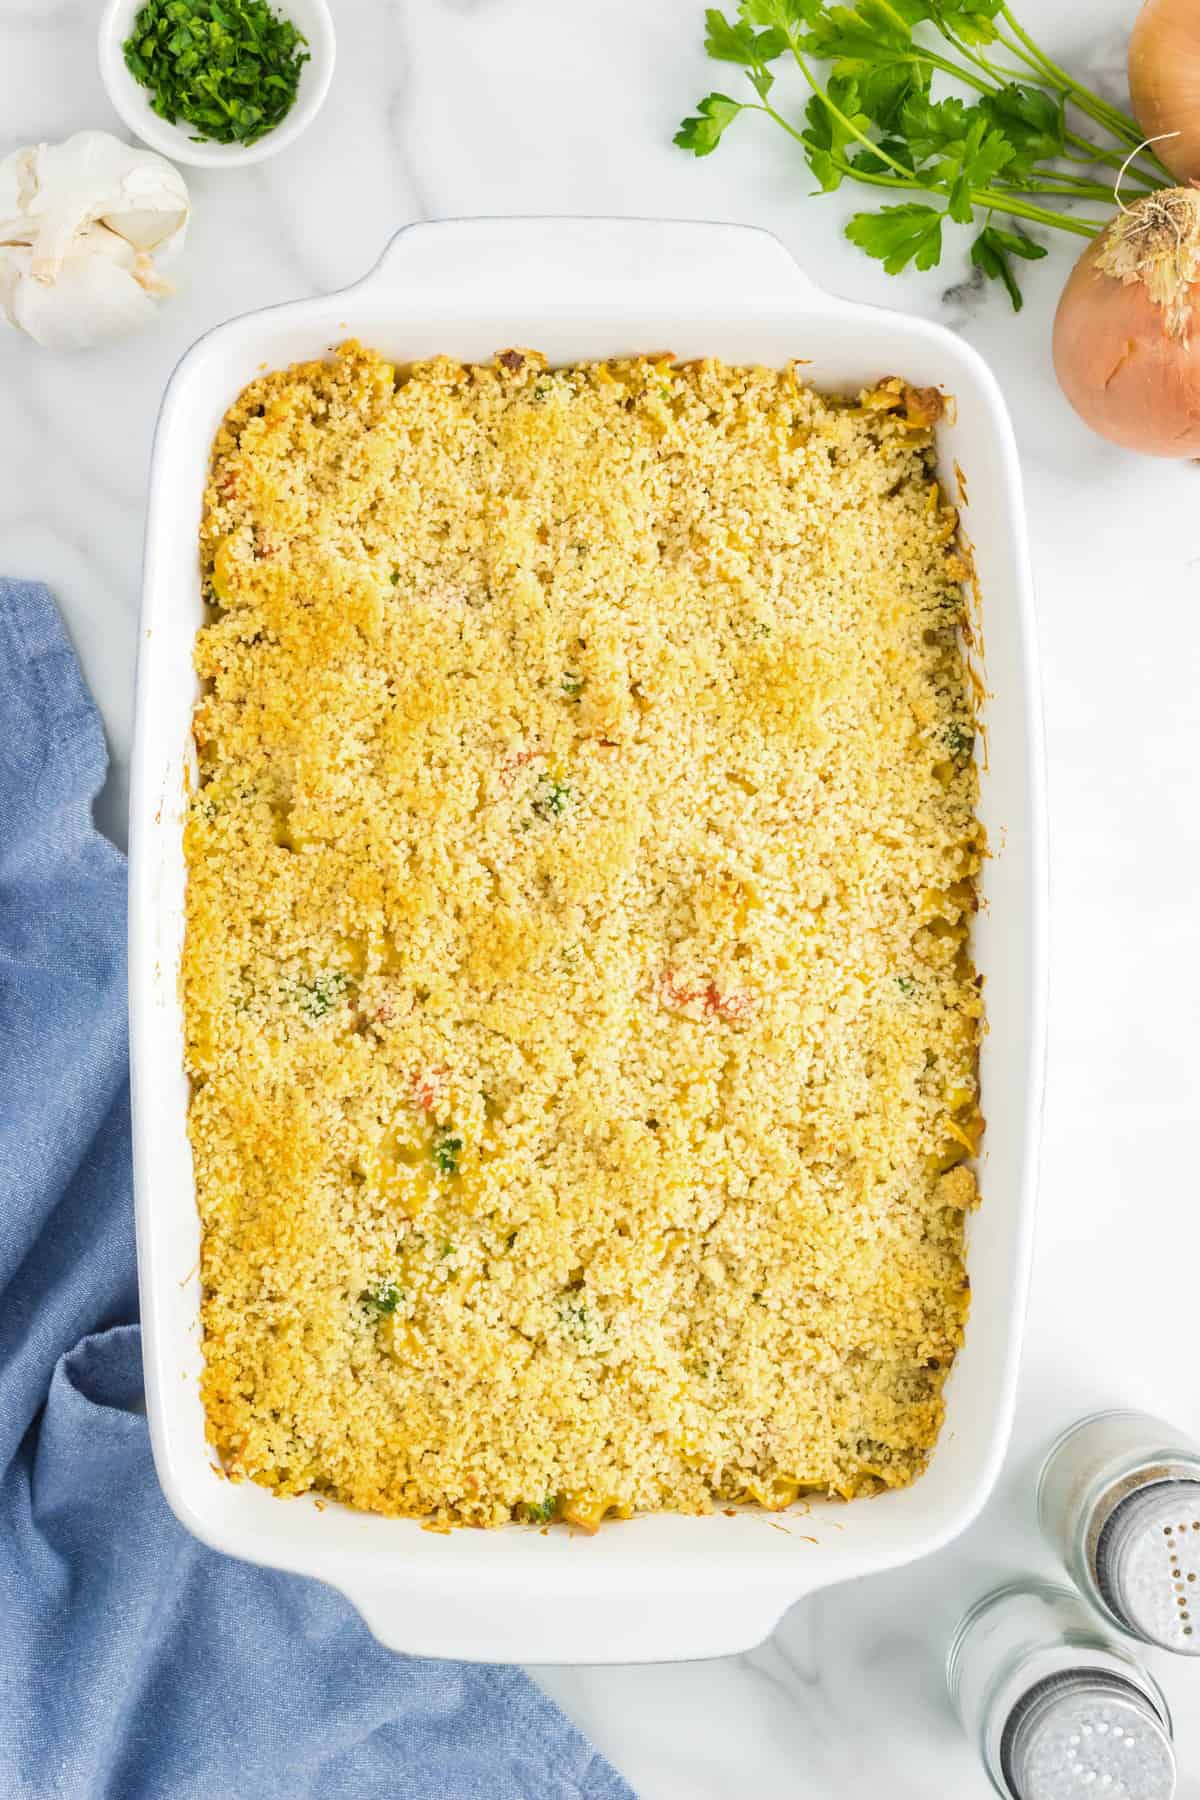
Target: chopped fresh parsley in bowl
point(228, 68)
point(217, 82)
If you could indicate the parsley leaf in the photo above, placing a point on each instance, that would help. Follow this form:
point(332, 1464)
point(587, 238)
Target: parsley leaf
point(957, 146)
point(854, 38)
point(899, 235)
point(714, 114)
point(784, 16)
point(740, 43)
point(991, 251)
point(1032, 122)
point(884, 88)
point(827, 135)
point(872, 45)
point(932, 126)
point(983, 154)
point(875, 161)
point(970, 21)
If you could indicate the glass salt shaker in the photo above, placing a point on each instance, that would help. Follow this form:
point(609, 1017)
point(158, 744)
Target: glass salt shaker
point(1119, 1500)
point(1056, 1707)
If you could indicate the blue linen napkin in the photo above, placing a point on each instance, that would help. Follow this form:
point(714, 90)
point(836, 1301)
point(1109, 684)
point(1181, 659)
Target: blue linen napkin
point(134, 1663)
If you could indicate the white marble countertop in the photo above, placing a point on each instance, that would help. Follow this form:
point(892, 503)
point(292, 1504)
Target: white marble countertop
point(444, 107)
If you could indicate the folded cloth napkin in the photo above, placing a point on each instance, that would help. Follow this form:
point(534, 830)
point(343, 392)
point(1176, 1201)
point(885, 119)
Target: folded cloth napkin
point(134, 1663)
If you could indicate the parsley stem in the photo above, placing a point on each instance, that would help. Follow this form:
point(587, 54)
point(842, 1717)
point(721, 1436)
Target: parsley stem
point(997, 199)
point(1036, 57)
point(1000, 200)
point(995, 77)
point(1040, 215)
point(1114, 159)
point(1048, 72)
point(1068, 185)
point(763, 107)
point(1118, 123)
point(934, 61)
point(854, 130)
point(990, 80)
point(1093, 108)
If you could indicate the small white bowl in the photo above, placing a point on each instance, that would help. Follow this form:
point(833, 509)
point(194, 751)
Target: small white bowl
point(132, 100)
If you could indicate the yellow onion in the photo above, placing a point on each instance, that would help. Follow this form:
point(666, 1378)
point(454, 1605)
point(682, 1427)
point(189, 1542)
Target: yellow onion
point(1126, 351)
point(1164, 82)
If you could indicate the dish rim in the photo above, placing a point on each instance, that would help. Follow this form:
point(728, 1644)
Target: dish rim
point(725, 1565)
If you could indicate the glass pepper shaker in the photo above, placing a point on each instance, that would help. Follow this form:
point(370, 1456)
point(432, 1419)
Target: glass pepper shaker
point(1119, 1500)
point(1057, 1708)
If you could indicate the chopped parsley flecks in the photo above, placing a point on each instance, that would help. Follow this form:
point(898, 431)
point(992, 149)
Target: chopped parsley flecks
point(552, 798)
point(445, 1152)
point(575, 1319)
point(321, 994)
point(382, 1299)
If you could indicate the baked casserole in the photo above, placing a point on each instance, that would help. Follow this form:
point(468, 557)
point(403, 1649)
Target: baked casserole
point(580, 1017)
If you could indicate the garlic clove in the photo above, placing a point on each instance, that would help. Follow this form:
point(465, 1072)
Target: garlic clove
point(154, 205)
point(94, 176)
point(95, 297)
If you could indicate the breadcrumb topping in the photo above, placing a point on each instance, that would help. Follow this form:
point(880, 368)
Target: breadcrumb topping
point(581, 1025)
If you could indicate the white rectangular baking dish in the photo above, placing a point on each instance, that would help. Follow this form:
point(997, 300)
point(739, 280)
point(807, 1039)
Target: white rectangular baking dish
point(660, 1587)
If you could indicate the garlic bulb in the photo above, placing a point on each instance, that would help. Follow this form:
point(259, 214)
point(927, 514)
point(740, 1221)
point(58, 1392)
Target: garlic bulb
point(79, 222)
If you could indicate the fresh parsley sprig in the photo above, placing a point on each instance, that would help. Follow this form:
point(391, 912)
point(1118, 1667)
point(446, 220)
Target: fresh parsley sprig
point(873, 118)
point(231, 68)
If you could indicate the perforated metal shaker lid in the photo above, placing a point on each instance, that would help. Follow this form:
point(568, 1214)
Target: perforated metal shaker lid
point(1083, 1734)
point(1147, 1564)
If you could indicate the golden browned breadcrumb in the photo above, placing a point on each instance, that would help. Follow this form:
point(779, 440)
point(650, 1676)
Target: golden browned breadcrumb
point(579, 1014)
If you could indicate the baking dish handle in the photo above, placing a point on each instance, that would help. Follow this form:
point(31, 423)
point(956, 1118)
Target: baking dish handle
point(613, 1621)
point(616, 264)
